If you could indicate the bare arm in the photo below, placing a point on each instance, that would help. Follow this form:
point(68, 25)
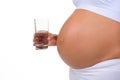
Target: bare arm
point(52, 39)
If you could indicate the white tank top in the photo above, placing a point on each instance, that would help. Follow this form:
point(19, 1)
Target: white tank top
point(107, 8)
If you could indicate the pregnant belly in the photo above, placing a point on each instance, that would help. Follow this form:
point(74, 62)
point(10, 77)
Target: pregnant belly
point(83, 41)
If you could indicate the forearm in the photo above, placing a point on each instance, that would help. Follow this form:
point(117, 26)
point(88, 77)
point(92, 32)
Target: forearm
point(52, 39)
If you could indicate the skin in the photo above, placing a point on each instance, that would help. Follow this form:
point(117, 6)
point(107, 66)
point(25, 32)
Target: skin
point(52, 39)
point(87, 38)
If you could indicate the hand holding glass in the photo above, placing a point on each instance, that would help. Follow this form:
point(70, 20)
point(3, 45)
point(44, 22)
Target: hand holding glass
point(41, 32)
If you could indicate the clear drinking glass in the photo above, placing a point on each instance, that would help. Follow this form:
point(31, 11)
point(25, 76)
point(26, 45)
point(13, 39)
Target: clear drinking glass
point(41, 32)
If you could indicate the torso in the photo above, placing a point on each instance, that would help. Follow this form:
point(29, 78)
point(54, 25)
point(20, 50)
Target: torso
point(87, 38)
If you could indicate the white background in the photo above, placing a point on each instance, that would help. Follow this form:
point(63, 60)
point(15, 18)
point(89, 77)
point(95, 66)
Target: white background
point(18, 58)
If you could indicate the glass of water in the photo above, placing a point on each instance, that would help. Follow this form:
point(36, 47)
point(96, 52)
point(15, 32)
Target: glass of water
point(41, 26)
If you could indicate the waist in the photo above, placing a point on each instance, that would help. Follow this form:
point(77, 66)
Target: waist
point(104, 68)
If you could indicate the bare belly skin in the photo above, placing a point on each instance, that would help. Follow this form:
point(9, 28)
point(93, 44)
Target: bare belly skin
point(87, 38)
